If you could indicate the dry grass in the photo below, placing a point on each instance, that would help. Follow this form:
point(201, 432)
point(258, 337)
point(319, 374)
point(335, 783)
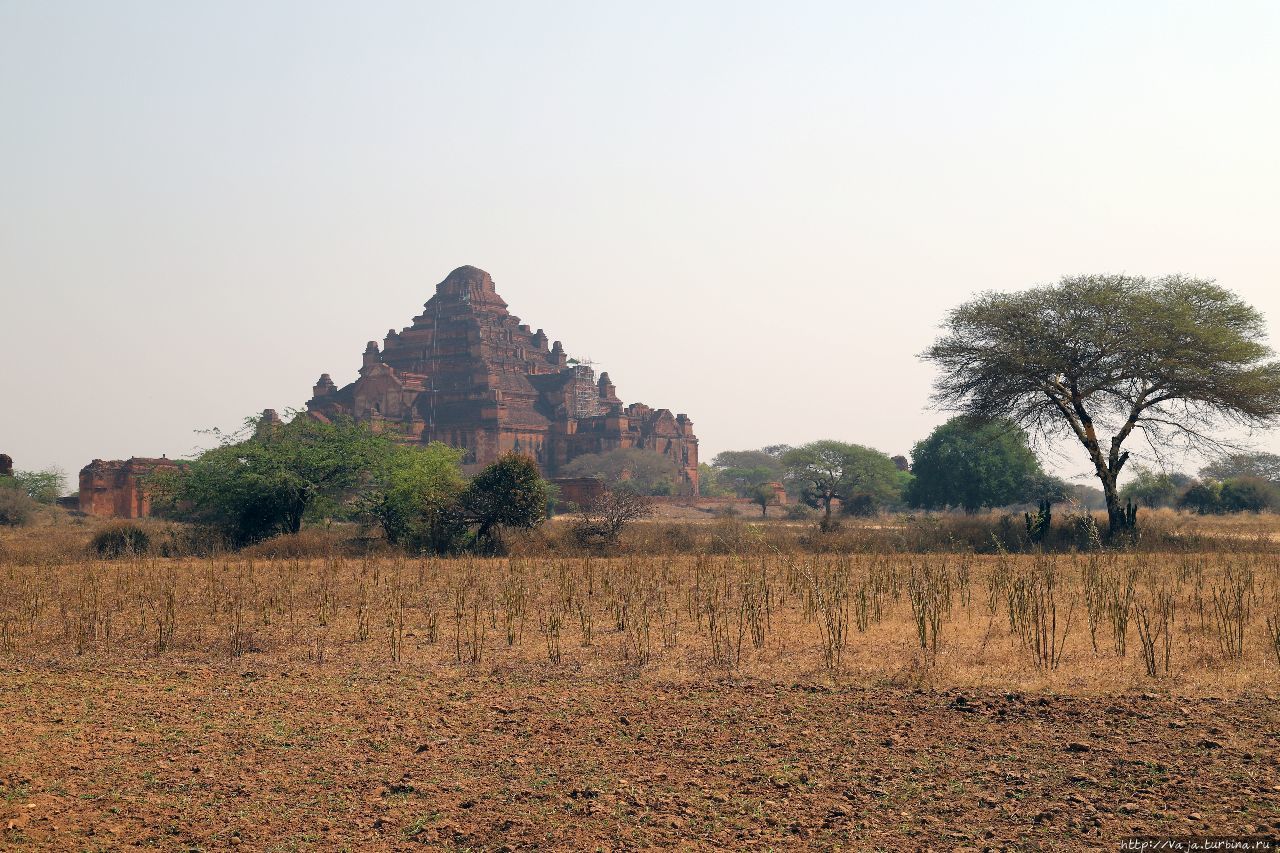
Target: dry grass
point(276, 700)
point(1200, 623)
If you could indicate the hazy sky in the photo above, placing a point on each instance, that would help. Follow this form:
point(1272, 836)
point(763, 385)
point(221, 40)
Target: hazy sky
point(754, 213)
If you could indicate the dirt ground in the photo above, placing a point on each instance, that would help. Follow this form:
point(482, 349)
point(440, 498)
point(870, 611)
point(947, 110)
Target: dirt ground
point(263, 757)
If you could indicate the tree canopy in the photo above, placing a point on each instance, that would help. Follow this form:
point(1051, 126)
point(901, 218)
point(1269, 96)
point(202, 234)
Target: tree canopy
point(1100, 357)
point(268, 478)
point(645, 471)
point(509, 492)
point(973, 464)
point(1265, 466)
point(861, 478)
point(44, 486)
point(411, 495)
point(255, 486)
point(1150, 487)
point(743, 471)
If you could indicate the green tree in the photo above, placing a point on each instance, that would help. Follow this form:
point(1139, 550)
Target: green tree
point(973, 464)
point(1204, 497)
point(857, 476)
point(1047, 487)
point(412, 493)
point(645, 471)
point(1249, 494)
point(1263, 465)
point(507, 493)
point(709, 485)
point(1100, 357)
point(1151, 488)
point(745, 470)
point(252, 488)
point(764, 497)
point(44, 486)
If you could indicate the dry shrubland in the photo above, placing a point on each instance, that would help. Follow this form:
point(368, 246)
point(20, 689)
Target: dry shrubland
point(1192, 621)
point(323, 692)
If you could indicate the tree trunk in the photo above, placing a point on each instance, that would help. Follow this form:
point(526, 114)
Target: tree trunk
point(1119, 521)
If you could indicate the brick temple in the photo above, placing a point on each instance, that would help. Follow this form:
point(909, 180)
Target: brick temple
point(468, 373)
point(116, 488)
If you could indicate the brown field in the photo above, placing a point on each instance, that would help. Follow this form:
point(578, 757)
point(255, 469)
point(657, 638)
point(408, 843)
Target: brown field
point(764, 698)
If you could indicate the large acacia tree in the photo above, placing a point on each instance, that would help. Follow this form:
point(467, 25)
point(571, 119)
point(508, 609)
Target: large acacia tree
point(1101, 357)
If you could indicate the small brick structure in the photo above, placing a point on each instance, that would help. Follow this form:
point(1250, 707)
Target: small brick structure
point(116, 489)
point(578, 490)
point(6, 465)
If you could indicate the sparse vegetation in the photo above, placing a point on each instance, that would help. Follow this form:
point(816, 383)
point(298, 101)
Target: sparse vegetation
point(120, 540)
point(600, 522)
point(16, 507)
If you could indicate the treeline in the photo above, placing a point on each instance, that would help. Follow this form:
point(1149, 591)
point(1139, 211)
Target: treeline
point(24, 492)
point(1238, 482)
point(273, 477)
point(964, 464)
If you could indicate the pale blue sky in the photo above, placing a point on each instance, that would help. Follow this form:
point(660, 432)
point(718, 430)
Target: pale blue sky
point(753, 213)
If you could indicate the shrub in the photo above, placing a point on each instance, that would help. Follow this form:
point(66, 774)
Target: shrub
point(602, 520)
point(42, 486)
point(1204, 498)
point(308, 543)
point(799, 512)
point(679, 538)
point(120, 540)
point(16, 508)
point(1249, 494)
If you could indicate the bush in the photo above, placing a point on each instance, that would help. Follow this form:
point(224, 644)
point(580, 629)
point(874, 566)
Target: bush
point(601, 521)
point(799, 512)
point(1249, 494)
point(679, 538)
point(16, 508)
point(308, 543)
point(42, 486)
point(730, 536)
point(187, 540)
point(1203, 498)
point(120, 540)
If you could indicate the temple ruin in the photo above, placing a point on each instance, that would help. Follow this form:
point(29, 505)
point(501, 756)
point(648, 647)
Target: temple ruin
point(117, 488)
point(468, 373)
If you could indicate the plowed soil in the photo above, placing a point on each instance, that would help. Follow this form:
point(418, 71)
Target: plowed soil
point(399, 758)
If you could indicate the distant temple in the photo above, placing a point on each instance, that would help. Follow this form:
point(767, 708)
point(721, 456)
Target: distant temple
point(116, 488)
point(468, 373)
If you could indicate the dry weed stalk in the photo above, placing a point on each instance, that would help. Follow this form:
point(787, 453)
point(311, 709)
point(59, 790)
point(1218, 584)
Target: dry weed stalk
point(1154, 618)
point(747, 611)
point(929, 588)
point(1231, 600)
point(1033, 612)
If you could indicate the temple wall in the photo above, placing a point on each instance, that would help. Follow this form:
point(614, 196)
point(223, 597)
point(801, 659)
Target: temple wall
point(115, 488)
